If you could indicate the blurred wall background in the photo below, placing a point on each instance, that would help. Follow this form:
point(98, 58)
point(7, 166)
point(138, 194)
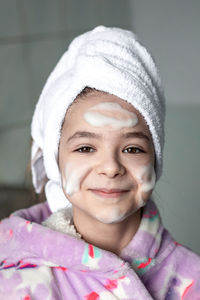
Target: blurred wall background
point(34, 34)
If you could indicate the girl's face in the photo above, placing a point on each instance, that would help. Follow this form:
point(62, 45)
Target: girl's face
point(106, 158)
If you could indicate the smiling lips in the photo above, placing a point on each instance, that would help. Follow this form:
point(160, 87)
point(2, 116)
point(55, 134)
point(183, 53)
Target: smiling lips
point(109, 193)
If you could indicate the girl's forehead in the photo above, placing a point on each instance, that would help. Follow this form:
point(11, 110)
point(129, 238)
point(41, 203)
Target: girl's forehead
point(76, 121)
point(83, 104)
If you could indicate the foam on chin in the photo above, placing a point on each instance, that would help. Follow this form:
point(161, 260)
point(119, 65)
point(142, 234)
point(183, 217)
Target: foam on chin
point(110, 217)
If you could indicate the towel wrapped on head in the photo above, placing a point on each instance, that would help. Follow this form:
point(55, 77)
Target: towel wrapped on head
point(107, 59)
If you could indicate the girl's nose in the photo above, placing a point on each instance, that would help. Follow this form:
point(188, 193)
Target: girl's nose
point(110, 166)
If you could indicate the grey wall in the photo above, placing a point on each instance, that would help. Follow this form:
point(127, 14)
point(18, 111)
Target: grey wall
point(177, 192)
point(34, 34)
point(171, 30)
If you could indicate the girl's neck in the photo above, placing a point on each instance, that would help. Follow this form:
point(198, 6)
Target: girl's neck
point(111, 237)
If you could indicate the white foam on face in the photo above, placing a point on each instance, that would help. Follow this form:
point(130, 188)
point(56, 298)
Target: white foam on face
point(108, 106)
point(147, 178)
point(97, 119)
point(73, 177)
point(110, 216)
point(96, 116)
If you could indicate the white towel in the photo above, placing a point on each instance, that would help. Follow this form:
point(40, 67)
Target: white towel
point(107, 59)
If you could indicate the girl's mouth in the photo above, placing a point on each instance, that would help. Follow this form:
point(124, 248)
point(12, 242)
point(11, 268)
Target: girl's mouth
point(109, 193)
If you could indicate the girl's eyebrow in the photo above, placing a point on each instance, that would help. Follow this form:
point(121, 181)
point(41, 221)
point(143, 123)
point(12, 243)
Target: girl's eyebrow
point(136, 134)
point(128, 135)
point(87, 134)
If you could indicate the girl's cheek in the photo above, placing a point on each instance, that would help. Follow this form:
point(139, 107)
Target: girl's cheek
point(73, 177)
point(146, 178)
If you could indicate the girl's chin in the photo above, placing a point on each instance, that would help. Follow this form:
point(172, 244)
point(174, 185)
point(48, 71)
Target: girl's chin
point(114, 216)
point(110, 220)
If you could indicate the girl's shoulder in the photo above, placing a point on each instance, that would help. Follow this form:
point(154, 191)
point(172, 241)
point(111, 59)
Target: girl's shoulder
point(187, 261)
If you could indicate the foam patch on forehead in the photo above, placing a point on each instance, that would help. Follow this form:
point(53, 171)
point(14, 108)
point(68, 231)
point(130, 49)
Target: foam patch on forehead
point(110, 114)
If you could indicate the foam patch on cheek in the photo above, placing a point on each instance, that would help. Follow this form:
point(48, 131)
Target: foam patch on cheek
point(73, 177)
point(109, 113)
point(146, 179)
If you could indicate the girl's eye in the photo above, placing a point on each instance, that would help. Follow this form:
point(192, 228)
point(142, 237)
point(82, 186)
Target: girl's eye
point(85, 149)
point(133, 150)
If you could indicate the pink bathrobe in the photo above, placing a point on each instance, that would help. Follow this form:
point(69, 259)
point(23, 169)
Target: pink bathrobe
point(39, 263)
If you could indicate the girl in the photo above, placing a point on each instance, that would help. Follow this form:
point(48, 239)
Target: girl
point(98, 135)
